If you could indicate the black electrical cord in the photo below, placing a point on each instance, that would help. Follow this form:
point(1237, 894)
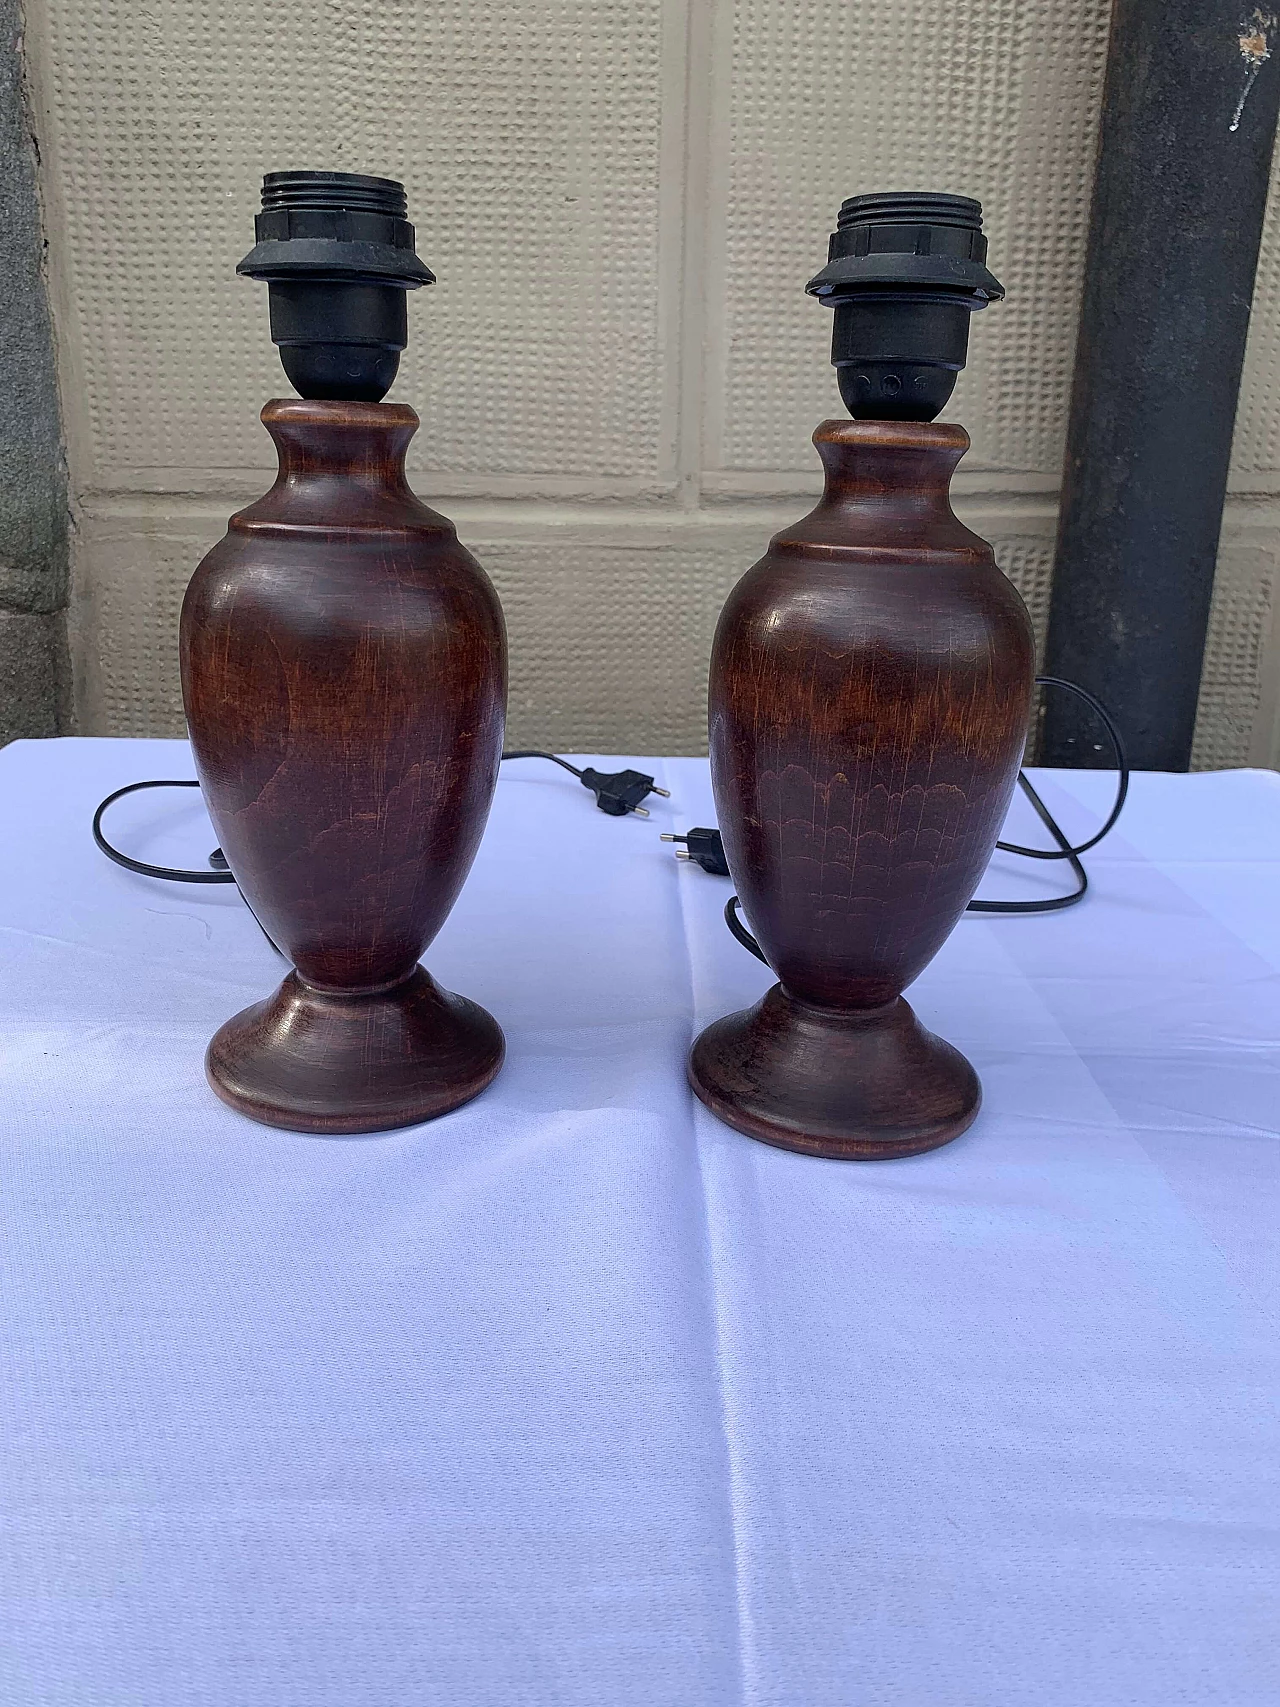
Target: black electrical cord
point(620, 792)
point(617, 793)
point(1122, 783)
point(1064, 849)
point(219, 872)
point(170, 873)
point(533, 753)
point(739, 931)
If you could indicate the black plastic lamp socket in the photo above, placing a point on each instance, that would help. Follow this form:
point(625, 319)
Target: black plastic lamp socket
point(904, 275)
point(337, 253)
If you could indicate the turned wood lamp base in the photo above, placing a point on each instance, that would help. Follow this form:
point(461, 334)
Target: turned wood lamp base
point(335, 1062)
point(851, 1086)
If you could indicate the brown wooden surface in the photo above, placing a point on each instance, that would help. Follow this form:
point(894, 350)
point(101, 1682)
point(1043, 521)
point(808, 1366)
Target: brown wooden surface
point(343, 669)
point(870, 689)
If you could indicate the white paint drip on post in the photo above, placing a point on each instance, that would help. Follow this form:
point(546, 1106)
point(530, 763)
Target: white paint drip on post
point(1255, 52)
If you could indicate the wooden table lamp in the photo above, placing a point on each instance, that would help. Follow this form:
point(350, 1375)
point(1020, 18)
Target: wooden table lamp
point(344, 676)
point(870, 689)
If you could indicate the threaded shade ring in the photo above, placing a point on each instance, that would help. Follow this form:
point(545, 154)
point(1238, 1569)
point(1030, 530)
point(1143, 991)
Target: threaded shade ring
point(334, 192)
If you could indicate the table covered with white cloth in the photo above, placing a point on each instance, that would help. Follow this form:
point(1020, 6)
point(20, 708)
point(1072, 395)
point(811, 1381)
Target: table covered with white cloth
point(577, 1397)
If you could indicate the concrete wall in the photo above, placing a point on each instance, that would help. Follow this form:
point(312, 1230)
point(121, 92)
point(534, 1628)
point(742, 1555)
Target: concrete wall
point(34, 679)
point(618, 372)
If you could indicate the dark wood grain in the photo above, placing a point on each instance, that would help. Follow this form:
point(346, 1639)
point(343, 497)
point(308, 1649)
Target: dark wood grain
point(870, 689)
point(344, 675)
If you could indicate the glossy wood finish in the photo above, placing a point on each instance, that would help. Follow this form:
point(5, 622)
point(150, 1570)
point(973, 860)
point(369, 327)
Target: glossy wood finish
point(344, 674)
point(870, 689)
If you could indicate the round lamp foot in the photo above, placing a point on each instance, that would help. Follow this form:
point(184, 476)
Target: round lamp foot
point(853, 1086)
point(321, 1061)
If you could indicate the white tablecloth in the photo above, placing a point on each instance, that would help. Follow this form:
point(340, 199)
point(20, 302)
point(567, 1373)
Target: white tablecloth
point(576, 1396)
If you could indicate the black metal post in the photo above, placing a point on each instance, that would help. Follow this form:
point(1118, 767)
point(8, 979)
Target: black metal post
point(1188, 121)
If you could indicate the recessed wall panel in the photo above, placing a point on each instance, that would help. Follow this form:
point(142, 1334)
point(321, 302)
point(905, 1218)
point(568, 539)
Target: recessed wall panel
point(528, 135)
point(996, 99)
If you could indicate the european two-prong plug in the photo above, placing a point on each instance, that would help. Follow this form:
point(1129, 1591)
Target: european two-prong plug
point(616, 792)
point(704, 847)
point(620, 792)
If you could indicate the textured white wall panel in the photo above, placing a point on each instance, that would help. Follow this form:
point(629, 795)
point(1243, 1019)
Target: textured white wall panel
point(816, 102)
point(1255, 452)
point(1236, 716)
point(529, 138)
